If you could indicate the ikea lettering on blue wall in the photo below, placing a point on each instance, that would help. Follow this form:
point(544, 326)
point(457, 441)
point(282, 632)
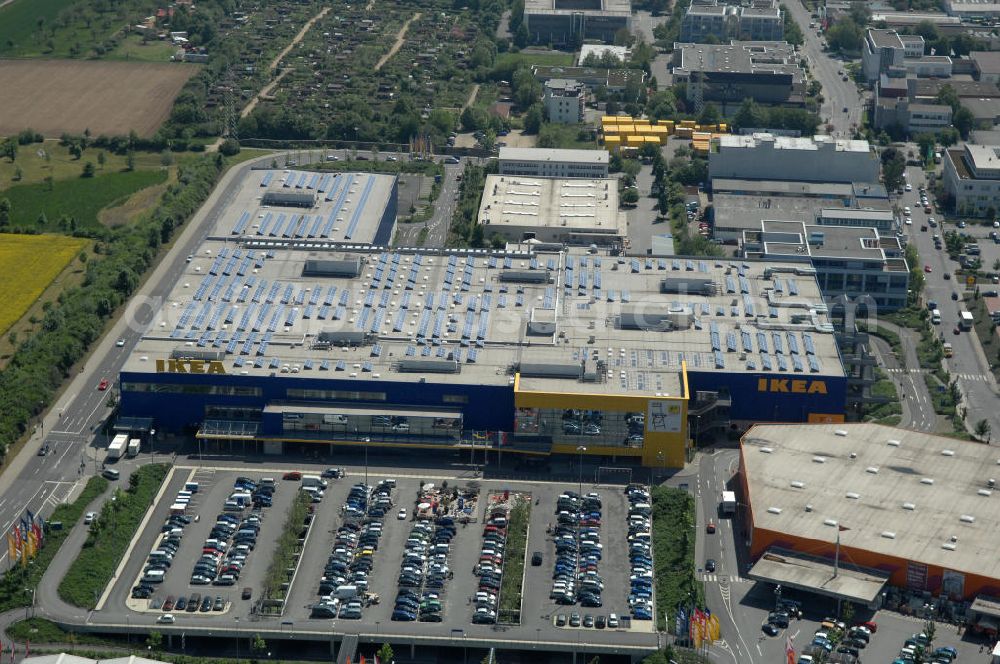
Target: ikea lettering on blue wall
point(791, 386)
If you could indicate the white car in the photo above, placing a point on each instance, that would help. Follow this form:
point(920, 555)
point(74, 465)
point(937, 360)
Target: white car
point(909, 187)
point(908, 221)
point(402, 515)
point(166, 618)
point(89, 518)
point(906, 211)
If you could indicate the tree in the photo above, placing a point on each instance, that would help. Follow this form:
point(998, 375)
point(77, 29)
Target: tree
point(749, 115)
point(258, 645)
point(533, 119)
point(983, 430)
point(929, 629)
point(964, 121)
point(101, 159)
point(893, 167)
point(709, 115)
point(845, 35)
point(928, 31)
point(88, 169)
point(521, 36)
point(947, 96)
point(155, 641)
point(385, 654)
point(42, 220)
point(130, 161)
point(630, 196)
point(860, 12)
point(9, 149)
point(5, 209)
point(926, 142)
point(229, 147)
point(166, 159)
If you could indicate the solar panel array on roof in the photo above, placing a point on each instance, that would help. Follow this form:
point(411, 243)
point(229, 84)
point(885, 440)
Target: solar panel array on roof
point(793, 287)
point(731, 342)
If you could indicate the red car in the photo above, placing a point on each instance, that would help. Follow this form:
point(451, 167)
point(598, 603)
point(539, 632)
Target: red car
point(927, 268)
point(871, 625)
point(293, 475)
point(103, 385)
point(710, 528)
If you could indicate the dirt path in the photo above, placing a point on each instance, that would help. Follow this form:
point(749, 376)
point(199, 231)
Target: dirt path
point(266, 90)
point(472, 97)
point(400, 40)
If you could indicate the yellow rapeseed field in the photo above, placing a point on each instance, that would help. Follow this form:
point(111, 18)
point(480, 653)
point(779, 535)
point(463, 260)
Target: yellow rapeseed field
point(29, 264)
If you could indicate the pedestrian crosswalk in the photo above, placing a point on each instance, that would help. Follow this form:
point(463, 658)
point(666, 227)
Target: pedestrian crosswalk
point(962, 376)
point(898, 370)
point(724, 578)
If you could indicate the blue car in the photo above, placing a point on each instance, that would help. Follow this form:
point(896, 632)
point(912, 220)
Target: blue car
point(403, 615)
point(641, 614)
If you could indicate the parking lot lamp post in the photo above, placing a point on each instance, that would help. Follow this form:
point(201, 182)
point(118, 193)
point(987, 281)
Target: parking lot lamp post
point(580, 450)
point(237, 619)
point(367, 440)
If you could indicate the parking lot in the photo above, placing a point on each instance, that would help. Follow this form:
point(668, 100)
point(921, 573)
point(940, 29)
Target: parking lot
point(180, 538)
point(441, 597)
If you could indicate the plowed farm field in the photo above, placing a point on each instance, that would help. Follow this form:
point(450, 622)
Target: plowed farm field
point(68, 96)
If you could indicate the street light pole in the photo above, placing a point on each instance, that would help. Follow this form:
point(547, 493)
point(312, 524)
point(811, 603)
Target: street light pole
point(367, 440)
point(580, 450)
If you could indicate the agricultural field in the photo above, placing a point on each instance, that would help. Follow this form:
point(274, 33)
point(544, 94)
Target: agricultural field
point(30, 263)
point(332, 91)
point(68, 96)
point(45, 208)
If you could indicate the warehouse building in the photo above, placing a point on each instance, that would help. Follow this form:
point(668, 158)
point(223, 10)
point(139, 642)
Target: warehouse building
point(571, 211)
point(561, 22)
point(281, 345)
point(554, 162)
point(910, 510)
point(813, 159)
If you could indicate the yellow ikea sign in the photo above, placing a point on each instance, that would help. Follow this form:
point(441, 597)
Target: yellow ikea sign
point(791, 386)
point(190, 366)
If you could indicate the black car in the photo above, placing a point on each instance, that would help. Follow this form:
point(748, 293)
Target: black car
point(769, 629)
point(601, 622)
point(536, 558)
point(710, 565)
point(181, 603)
point(778, 619)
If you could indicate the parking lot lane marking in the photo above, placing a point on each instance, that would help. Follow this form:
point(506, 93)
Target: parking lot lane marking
point(761, 652)
point(142, 527)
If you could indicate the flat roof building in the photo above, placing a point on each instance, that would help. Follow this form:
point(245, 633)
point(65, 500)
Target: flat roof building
point(722, 22)
point(810, 159)
point(916, 509)
point(856, 262)
point(571, 211)
point(561, 22)
point(614, 80)
point(972, 179)
point(563, 100)
point(348, 208)
point(554, 162)
point(767, 72)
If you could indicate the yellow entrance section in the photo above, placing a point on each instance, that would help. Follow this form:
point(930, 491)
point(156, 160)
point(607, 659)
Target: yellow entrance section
point(665, 431)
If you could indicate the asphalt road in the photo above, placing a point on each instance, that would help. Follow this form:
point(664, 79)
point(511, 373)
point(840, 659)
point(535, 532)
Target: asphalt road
point(837, 93)
point(444, 210)
point(968, 365)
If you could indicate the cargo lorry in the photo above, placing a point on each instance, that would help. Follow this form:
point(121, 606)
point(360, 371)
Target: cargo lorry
point(728, 502)
point(117, 447)
point(133, 447)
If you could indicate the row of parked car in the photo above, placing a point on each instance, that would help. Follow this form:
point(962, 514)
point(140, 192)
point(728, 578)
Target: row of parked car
point(424, 571)
point(233, 536)
point(577, 538)
point(640, 552)
point(162, 556)
point(345, 576)
point(489, 569)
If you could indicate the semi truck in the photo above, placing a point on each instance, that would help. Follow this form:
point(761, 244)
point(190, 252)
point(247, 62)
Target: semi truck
point(133, 447)
point(117, 447)
point(728, 502)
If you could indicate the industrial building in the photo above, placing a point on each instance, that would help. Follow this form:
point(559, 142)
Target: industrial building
point(561, 22)
point(909, 509)
point(554, 162)
point(855, 262)
point(283, 343)
point(571, 211)
point(767, 72)
point(888, 52)
point(563, 100)
point(813, 159)
point(972, 179)
point(913, 118)
point(764, 21)
point(613, 80)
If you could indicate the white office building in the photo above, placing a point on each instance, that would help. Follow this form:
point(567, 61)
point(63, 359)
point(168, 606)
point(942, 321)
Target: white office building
point(807, 159)
point(554, 163)
point(972, 179)
point(563, 100)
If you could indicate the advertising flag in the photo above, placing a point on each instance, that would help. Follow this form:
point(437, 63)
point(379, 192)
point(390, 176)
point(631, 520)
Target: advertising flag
point(714, 628)
point(18, 537)
point(37, 530)
point(11, 547)
point(32, 544)
point(789, 650)
point(31, 517)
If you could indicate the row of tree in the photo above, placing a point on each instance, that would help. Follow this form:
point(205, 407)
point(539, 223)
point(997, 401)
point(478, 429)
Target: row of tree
point(42, 362)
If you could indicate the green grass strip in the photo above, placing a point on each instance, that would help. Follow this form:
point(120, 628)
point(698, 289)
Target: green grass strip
point(513, 559)
point(110, 536)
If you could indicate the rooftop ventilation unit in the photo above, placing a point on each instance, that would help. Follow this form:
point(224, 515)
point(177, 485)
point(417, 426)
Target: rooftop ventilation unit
point(852, 495)
point(950, 546)
point(195, 354)
point(909, 506)
point(967, 518)
point(948, 453)
point(819, 459)
point(341, 337)
point(830, 522)
point(872, 469)
point(927, 480)
point(551, 370)
point(888, 534)
point(774, 510)
point(525, 276)
point(841, 432)
point(767, 450)
point(348, 268)
point(893, 443)
point(428, 366)
point(798, 485)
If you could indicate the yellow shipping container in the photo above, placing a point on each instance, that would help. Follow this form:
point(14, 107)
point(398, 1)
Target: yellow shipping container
point(688, 124)
point(612, 129)
point(612, 141)
point(723, 127)
point(626, 129)
point(610, 119)
point(635, 141)
point(701, 135)
point(683, 132)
